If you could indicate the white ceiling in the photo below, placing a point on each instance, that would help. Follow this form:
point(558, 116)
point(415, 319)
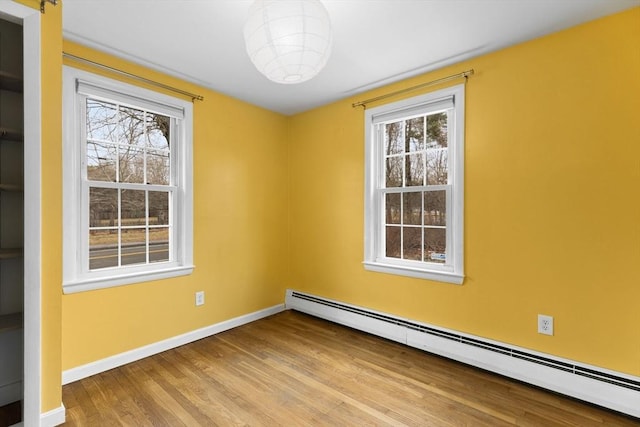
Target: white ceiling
point(375, 41)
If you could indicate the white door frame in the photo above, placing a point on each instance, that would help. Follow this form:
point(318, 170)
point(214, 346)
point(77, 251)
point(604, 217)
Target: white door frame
point(30, 20)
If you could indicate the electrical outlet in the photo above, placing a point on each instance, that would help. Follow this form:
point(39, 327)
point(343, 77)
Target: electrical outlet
point(200, 298)
point(545, 324)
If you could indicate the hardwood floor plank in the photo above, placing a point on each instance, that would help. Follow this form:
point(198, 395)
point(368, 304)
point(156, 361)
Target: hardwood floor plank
point(352, 382)
point(358, 372)
point(295, 370)
point(235, 403)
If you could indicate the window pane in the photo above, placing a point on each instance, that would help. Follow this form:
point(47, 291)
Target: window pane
point(158, 168)
point(435, 206)
point(393, 242)
point(103, 249)
point(437, 130)
point(131, 164)
point(412, 208)
point(435, 245)
point(159, 244)
point(393, 141)
point(392, 208)
point(103, 207)
point(412, 173)
point(394, 172)
point(414, 134)
point(130, 155)
point(158, 128)
point(134, 246)
point(133, 208)
point(131, 126)
point(101, 162)
point(437, 166)
point(102, 120)
point(158, 208)
point(415, 169)
point(412, 243)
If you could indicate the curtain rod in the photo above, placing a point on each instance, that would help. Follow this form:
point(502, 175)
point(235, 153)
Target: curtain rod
point(193, 96)
point(464, 74)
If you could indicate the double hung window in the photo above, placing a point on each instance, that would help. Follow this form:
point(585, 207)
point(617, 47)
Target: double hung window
point(128, 197)
point(414, 187)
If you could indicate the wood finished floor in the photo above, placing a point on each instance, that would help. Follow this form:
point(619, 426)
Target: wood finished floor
point(295, 370)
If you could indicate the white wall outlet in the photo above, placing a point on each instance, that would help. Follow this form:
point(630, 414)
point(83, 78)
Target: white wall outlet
point(545, 324)
point(200, 298)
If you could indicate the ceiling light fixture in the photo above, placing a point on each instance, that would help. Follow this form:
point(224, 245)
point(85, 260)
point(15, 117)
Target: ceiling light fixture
point(289, 41)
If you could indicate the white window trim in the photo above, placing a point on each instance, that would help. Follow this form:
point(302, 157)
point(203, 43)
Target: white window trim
point(374, 260)
point(75, 279)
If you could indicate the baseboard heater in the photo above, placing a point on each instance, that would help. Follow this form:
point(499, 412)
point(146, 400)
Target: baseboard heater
point(610, 389)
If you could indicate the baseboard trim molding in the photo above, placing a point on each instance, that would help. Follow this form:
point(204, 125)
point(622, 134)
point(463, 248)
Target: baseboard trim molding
point(54, 417)
point(93, 368)
point(603, 387)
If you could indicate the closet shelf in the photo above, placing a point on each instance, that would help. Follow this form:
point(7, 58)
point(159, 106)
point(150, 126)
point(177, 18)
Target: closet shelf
point(10, 82)
point(10, 187)
point(10, 322)
point(6, 253)
point(9, 134)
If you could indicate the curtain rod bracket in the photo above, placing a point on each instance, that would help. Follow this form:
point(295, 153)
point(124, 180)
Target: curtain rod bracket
point(43, 2)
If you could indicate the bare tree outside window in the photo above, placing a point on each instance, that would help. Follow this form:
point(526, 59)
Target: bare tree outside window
point(416, 160)
point(124, 145)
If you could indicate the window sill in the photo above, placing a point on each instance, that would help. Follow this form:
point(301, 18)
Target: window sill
point(90, 284)
point(438, 276)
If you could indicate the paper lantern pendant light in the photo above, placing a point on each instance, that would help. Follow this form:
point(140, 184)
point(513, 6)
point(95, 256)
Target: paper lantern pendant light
point(289, 41)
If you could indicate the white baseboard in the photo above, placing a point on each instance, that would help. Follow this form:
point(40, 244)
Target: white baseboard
point(607, 388)
point(54, 417)
point(84, 371)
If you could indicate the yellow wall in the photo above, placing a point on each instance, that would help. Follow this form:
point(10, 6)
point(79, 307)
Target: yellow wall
point(552, 213)
point(51, 206)
point(240, 216)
